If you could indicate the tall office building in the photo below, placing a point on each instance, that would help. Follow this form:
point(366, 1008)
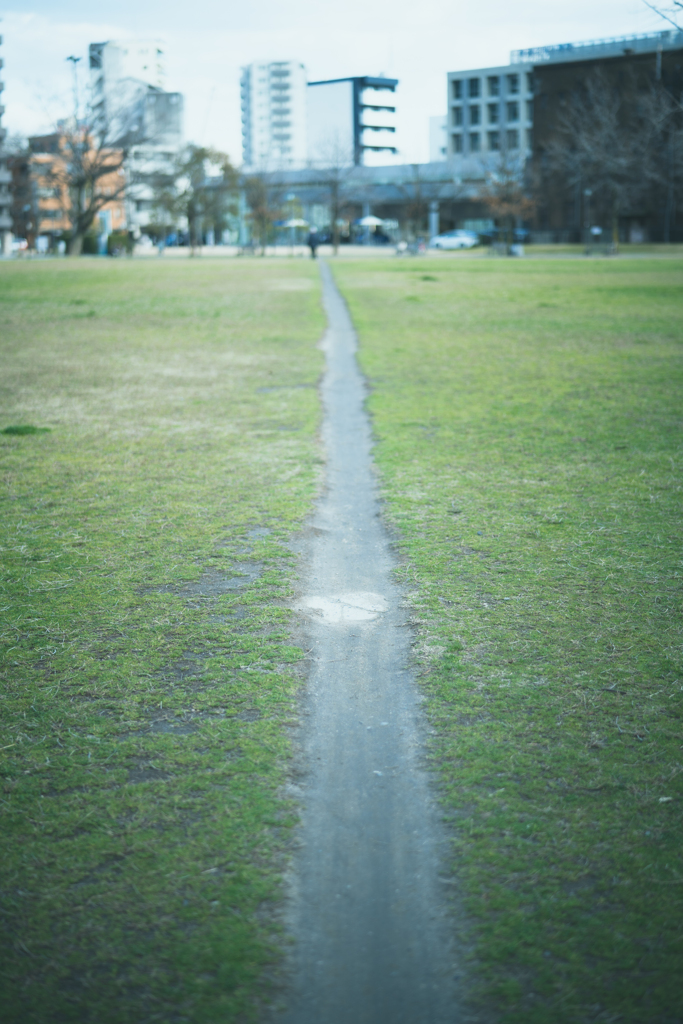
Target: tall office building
point(126, 82)
point(352, 120)
point(491, 110)
point(5, 179)
point(273, 99)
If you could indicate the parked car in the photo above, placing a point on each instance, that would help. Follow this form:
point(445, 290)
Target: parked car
point(458, 239)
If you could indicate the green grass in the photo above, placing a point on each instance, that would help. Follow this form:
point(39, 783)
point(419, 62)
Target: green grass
point(148, 673)
point(528, 419)
point(23, 429)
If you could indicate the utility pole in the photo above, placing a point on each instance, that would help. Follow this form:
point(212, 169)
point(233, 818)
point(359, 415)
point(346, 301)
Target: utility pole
point(74, 63)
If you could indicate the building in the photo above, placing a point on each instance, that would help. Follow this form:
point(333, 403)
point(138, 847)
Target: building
point(352, 120)
point(133, 110)
point(42, 207)
point(411, 200)
point(635, 69)
point(438, 139)
point(491, 110)
point(5, 180)
point(114, 62)
point(595, 49)
point(273, 99)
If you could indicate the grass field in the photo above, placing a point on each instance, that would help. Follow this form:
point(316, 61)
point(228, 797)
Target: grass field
point(528, 418)
point(147, 673)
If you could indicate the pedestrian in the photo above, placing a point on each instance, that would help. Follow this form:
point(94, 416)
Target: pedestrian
point(313, 241)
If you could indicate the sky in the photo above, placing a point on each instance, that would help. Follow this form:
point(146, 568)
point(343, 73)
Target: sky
point(207, 41)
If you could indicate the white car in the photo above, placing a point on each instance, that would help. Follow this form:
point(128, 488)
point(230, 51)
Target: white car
point(458, 239)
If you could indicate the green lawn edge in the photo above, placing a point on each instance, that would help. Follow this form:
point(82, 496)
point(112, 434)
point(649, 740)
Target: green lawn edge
point(149, 675)
point(528, 449)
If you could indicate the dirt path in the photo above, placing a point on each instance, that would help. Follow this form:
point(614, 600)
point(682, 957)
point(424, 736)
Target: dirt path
point(367, 907)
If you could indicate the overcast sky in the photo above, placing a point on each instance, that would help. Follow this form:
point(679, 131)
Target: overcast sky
point(207, 41)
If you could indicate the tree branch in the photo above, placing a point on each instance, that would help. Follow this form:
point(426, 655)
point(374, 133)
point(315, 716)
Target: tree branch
point(663, 14)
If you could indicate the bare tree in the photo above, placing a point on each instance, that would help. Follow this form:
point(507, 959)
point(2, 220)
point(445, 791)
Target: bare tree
point(264, 200)
point(88, 170)
point(506, 193)
point(672, 14)
point(662, 113)
point(336, 165)
point(24, 211)
point(607, 143)
point(417, 195)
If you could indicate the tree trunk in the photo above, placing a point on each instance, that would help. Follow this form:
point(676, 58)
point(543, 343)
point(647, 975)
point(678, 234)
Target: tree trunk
point(75, 246)
point(80, 226)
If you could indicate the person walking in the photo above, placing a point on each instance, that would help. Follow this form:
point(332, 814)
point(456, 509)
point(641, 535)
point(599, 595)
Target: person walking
point(313, 241)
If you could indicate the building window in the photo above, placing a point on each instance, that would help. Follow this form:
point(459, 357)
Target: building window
point(457, 143)
point(457, 89)
point(530, 81)
point(457, 116)
point(473, 87)
point(493, 83)
point(513, 83)
point(494, 140)
point(513, 139)
point(529, 138)
point(529, 110)
point(513, 111)
point(475, 142)
point(475, 115)
point(494, 113)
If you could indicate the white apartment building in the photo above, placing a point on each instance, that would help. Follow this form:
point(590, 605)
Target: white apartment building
point(490, 110)
point(126, 81)
point(127, 94)
point(352, 120)
point(142, 60)
point(273, 96)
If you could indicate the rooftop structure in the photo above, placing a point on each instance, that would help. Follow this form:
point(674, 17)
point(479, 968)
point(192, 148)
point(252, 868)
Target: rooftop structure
point(352, 120)
point(617, 46)
point(273, 97)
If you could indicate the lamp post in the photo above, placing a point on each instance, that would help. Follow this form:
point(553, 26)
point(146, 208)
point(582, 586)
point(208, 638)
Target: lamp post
point(291, 200)
point(587, 193)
